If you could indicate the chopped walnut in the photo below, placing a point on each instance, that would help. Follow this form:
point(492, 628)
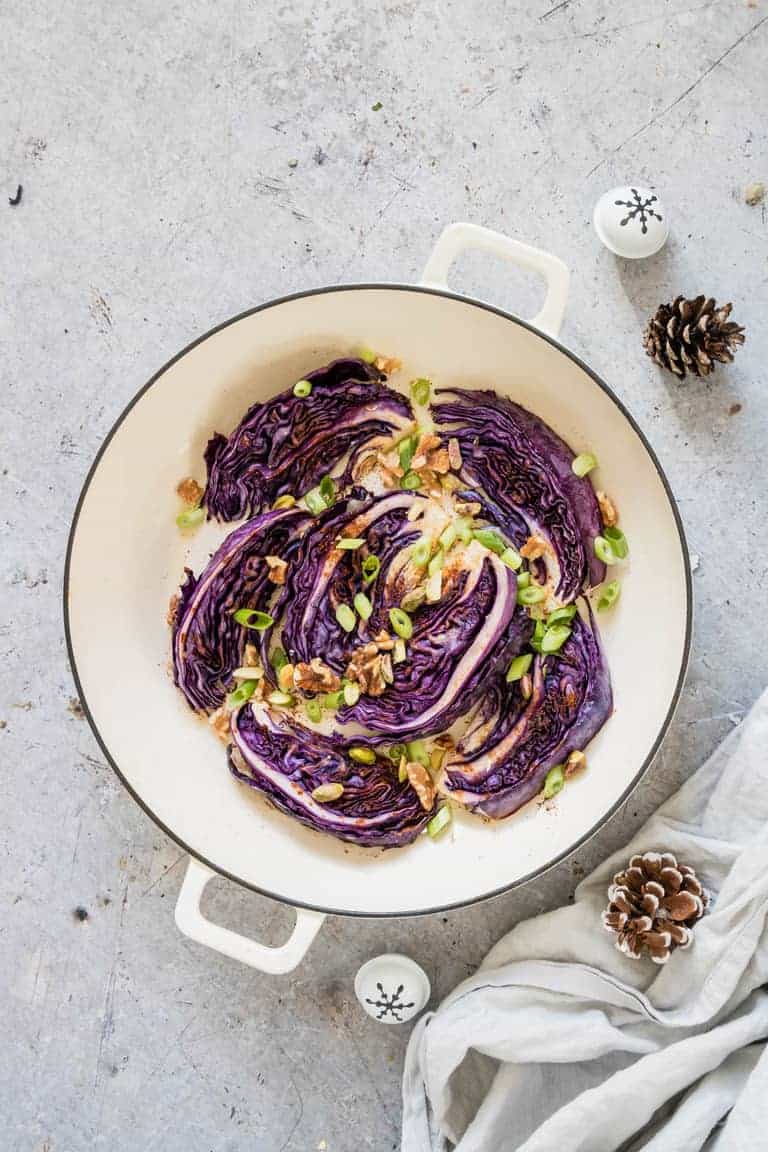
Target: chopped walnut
point(607, 510)
point(534, 547)
point(384, 641)
point(315, 677)
point(439, 461)
point(219, 721)
point(388, 364)
point(421, 782)
point(575, 762)
point(364, 465)
point(468, 507)
point(173, 607)
point(277, 569)
point(190, 491)
point(428, 442)
point(251, 656)
point(454, 453)
point(366, 668)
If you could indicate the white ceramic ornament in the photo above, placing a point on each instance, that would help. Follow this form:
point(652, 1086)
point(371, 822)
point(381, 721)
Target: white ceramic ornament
point(392, 988)
point(631, 222)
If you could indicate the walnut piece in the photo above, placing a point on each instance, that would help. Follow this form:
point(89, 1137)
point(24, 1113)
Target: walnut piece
point(251, 656)
point(575, 763)
point(277, 569)
point(421, 782)
point(173, 607)
point(315, 677)
point(190, 491)
point(370, 668)
point(534, 548)
point(468, 507)
point(607, 510)
point(219, 721)
point(388, 364)
point(454, 453)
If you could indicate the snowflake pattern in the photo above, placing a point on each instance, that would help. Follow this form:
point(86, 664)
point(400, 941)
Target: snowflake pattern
point(638, 208)
point(389, 1005)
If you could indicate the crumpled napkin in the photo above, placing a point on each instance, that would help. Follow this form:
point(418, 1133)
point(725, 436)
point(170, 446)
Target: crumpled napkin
point(559, 1043)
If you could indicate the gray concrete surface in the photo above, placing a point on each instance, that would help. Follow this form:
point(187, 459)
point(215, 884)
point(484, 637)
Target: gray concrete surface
point(155, 145)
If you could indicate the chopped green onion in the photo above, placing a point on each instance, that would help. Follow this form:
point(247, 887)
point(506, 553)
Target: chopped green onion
point(436, 563)
point(324, 793)
point(398, 652)
point(396, 752)
point(285, 501)
point(327, 489)
point(411, 480)
point(351, 694)
point(584, 463)
point(511, 558)
point(439, 822)
point(561, 615)
point(413, 599)
point(464, 528)
point(366, 354)
point(248, 672)
point(371, 566)
point(417, 750)
point(363, 606)
point(406, 451)
point(350, 543)
point(302, 388)
point(609, 595)
point(241, 694)
point(420, 391)
point(362, 755)
point(402, 774)
point(332, 700)
point(523, 580)
point(346, 617)
point(434, 587)
point(278, 659)
point(554, 781)
point(250, 618)
point(315, 502)
point(538, 635)
point(421, 551)
point(314, 710)
point(519, 667)
point(554, 638)
point(190, 517)
point(281, 699)
point(617, 541)
point(401, 622)
point(604, 551)
point(490, 539)
point(533, 594)
point(448, 536)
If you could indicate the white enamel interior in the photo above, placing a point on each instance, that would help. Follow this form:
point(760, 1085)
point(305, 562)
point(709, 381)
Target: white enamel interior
point(127, 556)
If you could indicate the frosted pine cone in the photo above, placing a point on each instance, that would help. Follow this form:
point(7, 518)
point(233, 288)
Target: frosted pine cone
point(653, 905)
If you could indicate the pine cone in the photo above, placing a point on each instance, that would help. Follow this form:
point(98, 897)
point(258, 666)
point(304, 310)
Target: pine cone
point(691, 335)
point(654, 904)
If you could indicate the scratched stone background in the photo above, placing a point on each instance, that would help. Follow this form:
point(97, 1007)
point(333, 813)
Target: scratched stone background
point(156, 145)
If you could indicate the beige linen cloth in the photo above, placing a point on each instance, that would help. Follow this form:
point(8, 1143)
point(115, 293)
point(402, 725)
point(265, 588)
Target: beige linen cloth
point(559, 1043)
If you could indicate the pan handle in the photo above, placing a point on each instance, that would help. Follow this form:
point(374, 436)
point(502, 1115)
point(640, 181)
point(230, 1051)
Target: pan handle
point(274, 961)
point(457, 238)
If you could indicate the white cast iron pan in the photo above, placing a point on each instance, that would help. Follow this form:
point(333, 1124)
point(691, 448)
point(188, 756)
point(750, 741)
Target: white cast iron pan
point(125, 557)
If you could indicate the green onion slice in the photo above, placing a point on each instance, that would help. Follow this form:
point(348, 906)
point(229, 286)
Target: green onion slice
point(366, 354)
point(350, 543)
point(411, 480)
point(371, 566)
point(604, 550)
point(421, 551)
point(561, 615)
point(554, 638)
point(250, 618)
point(324, 793)
point(519, 667)
point(609, 595)
point(284, 501)
point(278, 659)
point(532, 594)
point(436, 563)
point(396, 752)
point(439, 821)
point(314, 710)
point(538, 635)
point(584, 463)
point(420, 391)
point(402, 775)
point(314, 501)
point(327, 489)
point(351, 694)
point(302, 388)
point(363, 606)
point(417, 750)
point(401, 622)
point(362, 755)
point(190, 517)
point(406, 451)
point(448, 536)
point(554, 781)
point(281, 699)
point(398, 652)
point(490, 539)
point(617, 541)
point(241, 694)
point(511, 558)
point(464, 528)
point(523, 580)
point(346, 617)
point(332, 700)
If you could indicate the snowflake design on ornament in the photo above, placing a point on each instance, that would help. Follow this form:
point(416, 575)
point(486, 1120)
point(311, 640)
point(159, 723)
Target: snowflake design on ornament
point(389, 1005)
point(638, 208)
